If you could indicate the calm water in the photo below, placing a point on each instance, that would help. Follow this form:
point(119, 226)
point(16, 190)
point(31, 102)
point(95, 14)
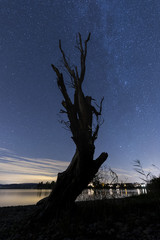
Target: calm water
point(15, 197)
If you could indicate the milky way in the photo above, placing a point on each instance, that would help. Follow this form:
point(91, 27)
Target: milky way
point(123, 65)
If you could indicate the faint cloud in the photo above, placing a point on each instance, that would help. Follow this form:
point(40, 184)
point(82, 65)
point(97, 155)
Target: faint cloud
point(4, 150)
point(128, 176)
point(14, 168)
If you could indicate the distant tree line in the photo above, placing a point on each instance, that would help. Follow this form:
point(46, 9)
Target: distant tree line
point(47, 185)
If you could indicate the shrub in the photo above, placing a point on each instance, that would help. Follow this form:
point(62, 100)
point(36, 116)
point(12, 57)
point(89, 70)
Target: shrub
point(154, 185)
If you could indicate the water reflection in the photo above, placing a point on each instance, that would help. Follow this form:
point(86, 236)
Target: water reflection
point(43, 193)
point(109, 193)
point(15, 197)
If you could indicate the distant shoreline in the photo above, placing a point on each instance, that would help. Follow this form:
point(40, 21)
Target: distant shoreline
point(19, 186)
point(48, 185)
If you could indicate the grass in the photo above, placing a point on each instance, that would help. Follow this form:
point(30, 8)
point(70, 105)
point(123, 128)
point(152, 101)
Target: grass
point(117, 207)
point(115, 214)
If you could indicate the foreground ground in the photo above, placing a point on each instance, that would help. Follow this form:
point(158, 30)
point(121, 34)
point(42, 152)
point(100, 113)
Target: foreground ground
point(128, 219)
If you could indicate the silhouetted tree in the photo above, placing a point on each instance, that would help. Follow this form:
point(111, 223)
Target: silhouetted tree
point(80, 114)
point(154, 185)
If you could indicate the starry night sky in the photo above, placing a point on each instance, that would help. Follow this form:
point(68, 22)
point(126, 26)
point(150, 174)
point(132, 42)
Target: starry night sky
point(123, 65)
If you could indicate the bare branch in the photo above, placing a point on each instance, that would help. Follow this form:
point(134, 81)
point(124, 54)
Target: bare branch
point(67, 104)
point(62, 111)
point(100, 111)
point(100, 160)
point(89, 35)
point(66, 125)
point(95, 134)
point(71, 72)
point(83, 56)
point(61, 85)
point(80, 43)
point(77, 75)
point(114, 176)
point(70, 83)
point(56, 70)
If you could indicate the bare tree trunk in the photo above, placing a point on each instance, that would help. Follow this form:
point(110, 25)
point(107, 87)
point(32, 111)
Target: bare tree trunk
point(70, 184)
point(82, 168)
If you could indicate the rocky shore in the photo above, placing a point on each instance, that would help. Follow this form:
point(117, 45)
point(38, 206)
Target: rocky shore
point(134, 218)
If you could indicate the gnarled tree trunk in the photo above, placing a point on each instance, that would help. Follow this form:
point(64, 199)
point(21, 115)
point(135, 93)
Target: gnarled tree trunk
point(80, 113)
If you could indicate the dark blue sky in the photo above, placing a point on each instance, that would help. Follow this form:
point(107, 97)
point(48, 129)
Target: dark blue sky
point(123, 65)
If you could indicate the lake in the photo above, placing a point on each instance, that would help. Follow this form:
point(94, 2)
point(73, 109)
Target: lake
point(15, 197)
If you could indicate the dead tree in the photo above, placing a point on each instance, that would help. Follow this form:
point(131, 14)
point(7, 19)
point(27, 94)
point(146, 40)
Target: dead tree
point(80, 114)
